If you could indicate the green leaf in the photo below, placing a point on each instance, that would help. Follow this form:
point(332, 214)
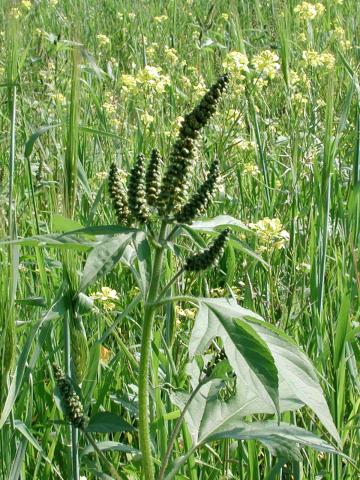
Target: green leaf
point(104, 230)
point(61, 242)
point(103, 133)
point(33, 301)
point(341, 330)
point(247, 352)
point(143, 254)
point(103, 258)
point(64, 224)
point(112, 446)
point(30, 143)
point(57, 309)
point(107, 422)
point(89, 381)
point(298, 380)
point(210, 418)
point(282, 440)
point(218, 223)
point(242, 247)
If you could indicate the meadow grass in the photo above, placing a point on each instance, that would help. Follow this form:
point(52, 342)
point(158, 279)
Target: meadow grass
point(76, 94)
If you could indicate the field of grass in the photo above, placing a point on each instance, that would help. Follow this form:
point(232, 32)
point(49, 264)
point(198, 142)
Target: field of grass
point(85, 84)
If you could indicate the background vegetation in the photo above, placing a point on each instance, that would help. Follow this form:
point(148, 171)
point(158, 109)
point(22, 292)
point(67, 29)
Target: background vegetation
point(86, 83)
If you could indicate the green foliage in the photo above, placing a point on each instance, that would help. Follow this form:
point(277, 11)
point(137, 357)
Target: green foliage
point(222, 390)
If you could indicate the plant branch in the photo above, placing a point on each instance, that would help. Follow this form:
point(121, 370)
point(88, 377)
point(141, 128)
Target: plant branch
point(177, 428)
point(171, 281)
point(101, 455)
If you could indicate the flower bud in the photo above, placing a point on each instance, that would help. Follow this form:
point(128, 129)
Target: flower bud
point(183, 155)
point(118, 195)
point(210, 256)
point(136, 191)
point(152, 178)
point(74, 410)
point(200, 200)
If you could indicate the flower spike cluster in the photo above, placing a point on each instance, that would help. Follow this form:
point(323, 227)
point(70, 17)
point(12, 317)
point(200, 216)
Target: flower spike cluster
point(136, 191)
point(210, 256)
point(200, 200)
point(118, 195)
point(72, 404)
point(148, 191)
point(175, 184)
point(153, 177)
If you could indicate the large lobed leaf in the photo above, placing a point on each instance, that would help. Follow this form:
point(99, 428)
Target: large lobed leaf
point(268, 366)
point(260, 355)
point(247, 352)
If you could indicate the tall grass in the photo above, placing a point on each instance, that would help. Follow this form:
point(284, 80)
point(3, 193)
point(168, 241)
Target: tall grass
point(291, 151)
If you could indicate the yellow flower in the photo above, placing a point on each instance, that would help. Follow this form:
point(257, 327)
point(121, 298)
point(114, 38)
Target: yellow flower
point(58, 97)
point(309, 11)
point(150, 51)
point(320, 9)
point(199, 89)
point(328, 60)
point(109, 107)
point(271, 233)
point(294, 78)
point(236, 116)
point(149, 74)
point(105, 354)
point(266, 63)
point(224, 16)
point(128, 83)
point(101, 175)
point(103, 39)
point(299, 99)
point(15, 13)
point(186, 81)
point(26, 4)
point(170, 54)
point(244, 145)
point(152, 77)
point(132, 15)
point(316, 59)
point(160, 19)
point(187, 312)
point(53, 3)
point(236, 63)
point(178, 122)
point(260, 83)
point(105, 294)
point(147, 119)
point(251, 169)
point(106, 297)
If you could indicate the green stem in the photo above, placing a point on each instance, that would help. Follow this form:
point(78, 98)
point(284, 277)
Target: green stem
point(145, 353)
point(171, 281)
point(67, 361)
point(177, 429)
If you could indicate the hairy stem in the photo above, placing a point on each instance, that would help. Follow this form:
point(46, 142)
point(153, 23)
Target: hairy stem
point(145, 352)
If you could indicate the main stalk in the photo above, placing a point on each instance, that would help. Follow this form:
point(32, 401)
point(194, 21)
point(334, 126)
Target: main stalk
point(145, 354)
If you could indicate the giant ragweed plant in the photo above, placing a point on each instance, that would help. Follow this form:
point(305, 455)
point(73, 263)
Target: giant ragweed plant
point(259, 368)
